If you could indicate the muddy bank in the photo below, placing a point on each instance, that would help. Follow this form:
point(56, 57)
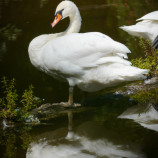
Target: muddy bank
point(48, 110)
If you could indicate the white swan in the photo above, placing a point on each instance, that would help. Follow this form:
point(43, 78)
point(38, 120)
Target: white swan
point(147, 27)
point(92, 61)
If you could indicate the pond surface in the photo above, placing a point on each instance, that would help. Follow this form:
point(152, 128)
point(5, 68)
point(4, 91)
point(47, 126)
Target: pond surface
point(94, 131)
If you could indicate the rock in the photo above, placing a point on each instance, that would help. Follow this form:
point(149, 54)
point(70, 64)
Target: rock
point(134, 88)
point(151, 81)
point(51, 110)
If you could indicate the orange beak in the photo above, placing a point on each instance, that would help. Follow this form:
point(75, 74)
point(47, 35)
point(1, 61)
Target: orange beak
point(57, 18)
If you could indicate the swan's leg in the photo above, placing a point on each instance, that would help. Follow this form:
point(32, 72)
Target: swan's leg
point(70, 134)
point(70, 116)
point(70, 101)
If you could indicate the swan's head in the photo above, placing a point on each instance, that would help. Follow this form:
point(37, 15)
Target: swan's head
point(64, 9)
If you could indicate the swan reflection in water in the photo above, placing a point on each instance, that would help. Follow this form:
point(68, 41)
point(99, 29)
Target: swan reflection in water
point(146, 116)
point(79, 144)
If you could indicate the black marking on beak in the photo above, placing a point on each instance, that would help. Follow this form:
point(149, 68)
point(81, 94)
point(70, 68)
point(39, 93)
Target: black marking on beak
point(59, 12)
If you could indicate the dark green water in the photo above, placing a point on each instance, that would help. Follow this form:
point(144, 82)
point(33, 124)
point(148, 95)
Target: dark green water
point(97, 132)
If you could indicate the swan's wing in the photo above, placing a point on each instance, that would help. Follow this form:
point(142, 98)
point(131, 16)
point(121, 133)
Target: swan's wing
point(71, 54)
point(150, 16)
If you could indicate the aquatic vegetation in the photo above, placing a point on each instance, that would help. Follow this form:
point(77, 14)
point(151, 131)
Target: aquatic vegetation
point(14, 107)
point(8, 103)
point(150, 60)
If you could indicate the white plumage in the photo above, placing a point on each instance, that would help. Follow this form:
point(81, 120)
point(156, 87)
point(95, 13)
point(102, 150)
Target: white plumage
point(147, 27)
point(92, 61)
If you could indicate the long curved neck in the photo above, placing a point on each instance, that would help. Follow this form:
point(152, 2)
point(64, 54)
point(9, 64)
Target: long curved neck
point(75, 23)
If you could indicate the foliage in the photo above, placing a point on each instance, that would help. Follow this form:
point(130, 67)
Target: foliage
point(150, 61)
point(8, 104)
point(12, 106)
point(29, 101)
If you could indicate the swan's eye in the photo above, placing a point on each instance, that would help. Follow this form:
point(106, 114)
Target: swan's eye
point(59, 12)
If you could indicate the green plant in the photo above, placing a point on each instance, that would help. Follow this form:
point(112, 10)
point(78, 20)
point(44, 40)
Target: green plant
point(29, 101)
point(8, 104)
point(14, 107)
point(150, 60)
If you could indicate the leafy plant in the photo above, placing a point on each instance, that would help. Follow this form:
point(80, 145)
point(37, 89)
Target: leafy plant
point(8, 104)
point(29, 101)
point(12, 106)
point(150, 60)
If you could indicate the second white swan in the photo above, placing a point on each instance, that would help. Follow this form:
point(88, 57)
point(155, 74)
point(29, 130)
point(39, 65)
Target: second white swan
point(147, 27)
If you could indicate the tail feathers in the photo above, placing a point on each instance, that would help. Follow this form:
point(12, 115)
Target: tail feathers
point(120, 48)
point(136, 74)
point(136, 30)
